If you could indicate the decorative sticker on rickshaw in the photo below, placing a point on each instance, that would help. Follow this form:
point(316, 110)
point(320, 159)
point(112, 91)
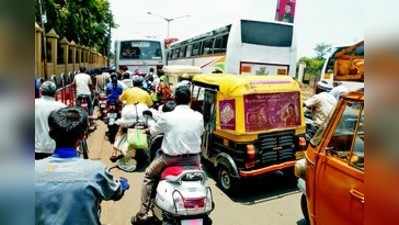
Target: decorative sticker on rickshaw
point(271, 111)
point(227, 111)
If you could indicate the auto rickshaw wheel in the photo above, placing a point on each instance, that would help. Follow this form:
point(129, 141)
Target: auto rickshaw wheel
point(226, 181)
point(304, 207)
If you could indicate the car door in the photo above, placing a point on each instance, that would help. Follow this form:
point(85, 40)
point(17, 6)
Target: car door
point(339, 188)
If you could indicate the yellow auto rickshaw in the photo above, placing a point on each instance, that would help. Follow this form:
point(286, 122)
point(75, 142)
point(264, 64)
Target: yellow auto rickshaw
point(254, 125)
point(176, 72)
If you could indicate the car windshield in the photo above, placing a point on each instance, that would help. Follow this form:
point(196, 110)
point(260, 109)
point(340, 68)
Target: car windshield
point(141, 50)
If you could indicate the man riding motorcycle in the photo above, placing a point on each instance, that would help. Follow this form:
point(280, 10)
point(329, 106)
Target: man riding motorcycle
point(114, 89)
point(320, 106)
point(68, 189)
point(136, 94)
point(181, 145)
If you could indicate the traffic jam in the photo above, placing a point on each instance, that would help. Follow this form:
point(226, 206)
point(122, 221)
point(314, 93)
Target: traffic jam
point(226, 126)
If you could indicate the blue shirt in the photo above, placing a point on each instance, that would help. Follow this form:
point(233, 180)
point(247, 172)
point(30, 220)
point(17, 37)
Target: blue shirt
point(113, 92)
point(69, 190)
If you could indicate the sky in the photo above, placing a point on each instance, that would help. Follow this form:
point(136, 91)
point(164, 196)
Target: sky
point(335, 22)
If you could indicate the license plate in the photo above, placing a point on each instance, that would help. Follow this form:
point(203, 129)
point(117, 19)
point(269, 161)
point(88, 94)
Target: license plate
point(192, 222)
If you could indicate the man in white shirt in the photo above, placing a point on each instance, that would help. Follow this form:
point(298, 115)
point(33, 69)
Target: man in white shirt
point(44, 145)
point(338, 90)
point(321, 104)
point(181, 145)
point(126, 80)
point(102, 80)
point(83, 84)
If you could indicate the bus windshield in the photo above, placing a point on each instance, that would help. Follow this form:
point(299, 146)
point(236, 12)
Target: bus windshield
point(264, 33)
point(140, 50)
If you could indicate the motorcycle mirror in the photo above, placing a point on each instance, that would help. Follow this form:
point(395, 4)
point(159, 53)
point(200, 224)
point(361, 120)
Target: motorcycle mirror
point(147, 113)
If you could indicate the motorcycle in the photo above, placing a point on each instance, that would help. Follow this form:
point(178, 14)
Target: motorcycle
point(182, 197)
point(102, 103)
point(83, 149)
point(113, 113)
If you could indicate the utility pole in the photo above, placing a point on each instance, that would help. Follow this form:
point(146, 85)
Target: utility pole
point(168, 20)
point(43, 21)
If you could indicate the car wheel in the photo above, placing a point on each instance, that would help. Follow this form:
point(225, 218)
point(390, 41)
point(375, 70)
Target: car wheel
point(304, 207)
point(226, 182)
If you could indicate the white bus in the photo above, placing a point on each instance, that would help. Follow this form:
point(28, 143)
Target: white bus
point(344, 64)
point(244, 47)
point(140, 54)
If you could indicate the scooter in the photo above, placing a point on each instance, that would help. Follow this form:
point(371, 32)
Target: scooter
point(113, 113)
point(182, 196)
point(102, 103)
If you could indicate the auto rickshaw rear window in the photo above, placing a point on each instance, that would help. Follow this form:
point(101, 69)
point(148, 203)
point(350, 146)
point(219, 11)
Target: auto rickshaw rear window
point(272, 111)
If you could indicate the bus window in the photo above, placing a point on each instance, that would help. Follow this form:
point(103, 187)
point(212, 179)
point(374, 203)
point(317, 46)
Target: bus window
point(175, 53)
point(221, 44)
point(169, 55)
point(196, 49)
point(140, 50)
point(183, 51)
point(189, 49)
point(268, 34)
point(208, 47)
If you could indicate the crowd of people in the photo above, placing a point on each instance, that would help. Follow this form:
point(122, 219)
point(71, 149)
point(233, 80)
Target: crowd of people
point(68, 188)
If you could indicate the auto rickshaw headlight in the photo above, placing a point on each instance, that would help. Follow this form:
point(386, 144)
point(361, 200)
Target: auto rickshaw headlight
point(300, 168)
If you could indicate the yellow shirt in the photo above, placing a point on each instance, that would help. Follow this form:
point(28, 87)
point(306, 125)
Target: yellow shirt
point(136, 95)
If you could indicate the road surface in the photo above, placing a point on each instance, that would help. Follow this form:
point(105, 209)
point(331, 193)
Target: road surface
point(272, 200)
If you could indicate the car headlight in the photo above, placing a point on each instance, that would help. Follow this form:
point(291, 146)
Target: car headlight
point(300, 168)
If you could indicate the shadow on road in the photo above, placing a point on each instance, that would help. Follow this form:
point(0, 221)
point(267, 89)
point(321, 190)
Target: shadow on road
point(266, 188)
point(301, 222)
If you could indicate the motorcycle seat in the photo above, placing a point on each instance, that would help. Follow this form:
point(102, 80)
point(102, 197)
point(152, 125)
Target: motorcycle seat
point(172, 172)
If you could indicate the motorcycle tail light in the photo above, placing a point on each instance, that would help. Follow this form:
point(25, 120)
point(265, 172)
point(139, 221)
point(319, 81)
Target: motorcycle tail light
point(194, 203)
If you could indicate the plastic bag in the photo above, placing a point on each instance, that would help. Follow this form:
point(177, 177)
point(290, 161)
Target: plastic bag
point(137, 138)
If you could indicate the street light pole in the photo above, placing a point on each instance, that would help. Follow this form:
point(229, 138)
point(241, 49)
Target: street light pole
point(43, 21)
point(168, 20)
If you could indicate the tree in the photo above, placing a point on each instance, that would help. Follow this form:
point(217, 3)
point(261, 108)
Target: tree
point(322, 50)
point(87, 22)
point(314, 65)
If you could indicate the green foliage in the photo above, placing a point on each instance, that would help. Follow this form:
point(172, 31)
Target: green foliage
point(87, 22)
point(322, 50)
point(315, 64)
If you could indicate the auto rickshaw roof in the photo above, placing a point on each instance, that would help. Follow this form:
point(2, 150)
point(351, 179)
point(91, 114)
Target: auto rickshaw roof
point(181, 69)
point(238, 85)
